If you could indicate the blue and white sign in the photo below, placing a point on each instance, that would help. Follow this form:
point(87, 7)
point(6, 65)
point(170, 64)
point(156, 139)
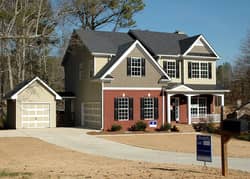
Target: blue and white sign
point(153, 123)
point(204, 148)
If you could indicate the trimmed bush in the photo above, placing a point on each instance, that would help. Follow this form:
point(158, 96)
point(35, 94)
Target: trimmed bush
point(175, 129)
point(139, 126)
point(116, 127)
point(165, 127)
point(206, 127)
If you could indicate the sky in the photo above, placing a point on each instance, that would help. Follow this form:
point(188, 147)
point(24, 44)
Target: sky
point(224, 23)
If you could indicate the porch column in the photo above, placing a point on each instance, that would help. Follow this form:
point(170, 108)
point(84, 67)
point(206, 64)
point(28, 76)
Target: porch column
point(189, 108)
point(221, 97)
point(168, 108)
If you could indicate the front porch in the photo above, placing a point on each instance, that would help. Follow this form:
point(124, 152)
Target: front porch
point(188, 108)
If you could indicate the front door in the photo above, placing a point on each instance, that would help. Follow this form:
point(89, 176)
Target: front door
point(175, 112)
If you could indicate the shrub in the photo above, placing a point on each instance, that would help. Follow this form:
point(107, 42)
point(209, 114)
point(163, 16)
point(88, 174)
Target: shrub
point(116, 127)
point(175, 129)
point(139, 126)
point(165, 127)
point(205, 127)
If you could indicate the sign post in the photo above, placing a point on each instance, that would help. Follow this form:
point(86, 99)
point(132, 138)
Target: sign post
point(204, 148)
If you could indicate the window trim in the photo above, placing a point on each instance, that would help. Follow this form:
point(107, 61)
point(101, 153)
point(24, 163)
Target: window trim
point(120, 108)
point(198, 107)
point(152, 108)
point(131, 66)
point(172, 70)
point(200, 70)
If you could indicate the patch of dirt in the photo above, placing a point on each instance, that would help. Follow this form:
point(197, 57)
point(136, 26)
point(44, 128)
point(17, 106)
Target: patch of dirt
point(38, 159)
point(182, 143)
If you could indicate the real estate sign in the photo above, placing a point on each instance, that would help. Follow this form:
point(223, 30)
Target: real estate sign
point(204, 148)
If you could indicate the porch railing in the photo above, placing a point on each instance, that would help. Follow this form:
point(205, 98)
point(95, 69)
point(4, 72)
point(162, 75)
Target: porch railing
point(214, 118)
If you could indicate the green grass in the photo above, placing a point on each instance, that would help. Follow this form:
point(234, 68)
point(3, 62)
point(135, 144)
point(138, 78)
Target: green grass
point(5, 173)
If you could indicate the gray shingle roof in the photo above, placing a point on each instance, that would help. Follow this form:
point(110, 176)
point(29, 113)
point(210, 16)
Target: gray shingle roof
point(197, 87)
point(103, 42)
point(187, 42)
point(17, 88)
point(121, 49)
point(159, 42)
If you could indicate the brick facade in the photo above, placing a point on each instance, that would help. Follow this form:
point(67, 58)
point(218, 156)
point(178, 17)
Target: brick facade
point(110, 95)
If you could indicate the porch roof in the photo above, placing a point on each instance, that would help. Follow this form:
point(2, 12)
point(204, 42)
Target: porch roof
point(191, 88)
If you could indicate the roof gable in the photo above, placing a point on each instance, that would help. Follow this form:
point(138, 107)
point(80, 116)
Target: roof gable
point(114, 63)
point(23, 85)
point(198, 41)
point(181, 88)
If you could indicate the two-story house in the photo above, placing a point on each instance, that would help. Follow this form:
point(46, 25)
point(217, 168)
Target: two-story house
point(121, 78)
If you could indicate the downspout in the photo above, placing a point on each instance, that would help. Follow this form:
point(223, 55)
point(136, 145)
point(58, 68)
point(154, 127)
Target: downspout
point(102, 107)
point(163, 106)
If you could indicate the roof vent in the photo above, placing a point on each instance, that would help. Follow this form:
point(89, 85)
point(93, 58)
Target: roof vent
point(179, 32)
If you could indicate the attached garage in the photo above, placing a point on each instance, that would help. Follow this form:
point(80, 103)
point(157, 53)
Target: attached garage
point(32, 104)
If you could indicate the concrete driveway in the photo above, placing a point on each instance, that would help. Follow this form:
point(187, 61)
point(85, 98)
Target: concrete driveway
point(77, 139)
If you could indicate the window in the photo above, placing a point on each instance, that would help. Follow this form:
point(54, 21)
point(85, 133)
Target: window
point(198, 106)
point(136, 66)
point(149, 108)
point(200, 70)
point(204, 70)
point(195, 70)
point(81, 71)
point(171, 68)
point(123, 108)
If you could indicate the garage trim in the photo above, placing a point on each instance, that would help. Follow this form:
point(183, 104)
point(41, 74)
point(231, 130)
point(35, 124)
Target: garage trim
point(36, 109)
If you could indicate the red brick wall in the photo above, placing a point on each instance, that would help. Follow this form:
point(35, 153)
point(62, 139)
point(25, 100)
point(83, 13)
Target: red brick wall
point(109, 96)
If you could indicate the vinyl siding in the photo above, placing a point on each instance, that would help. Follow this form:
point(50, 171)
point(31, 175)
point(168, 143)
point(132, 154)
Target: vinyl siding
point(211, 81)
point(85, 90)
point(121, 79)
point(36, 93)
point(174, 80)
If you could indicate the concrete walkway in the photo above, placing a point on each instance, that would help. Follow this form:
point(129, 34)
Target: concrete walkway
point(78, 140)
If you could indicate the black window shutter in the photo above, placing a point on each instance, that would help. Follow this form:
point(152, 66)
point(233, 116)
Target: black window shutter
point(128, 66)
point(156, 115)
point(131, 108)
point(143, 68)
point(210, 70)
point(177, 69)
point(142, 108)
point(116, 109)
point(165, 66)
point(189, 70)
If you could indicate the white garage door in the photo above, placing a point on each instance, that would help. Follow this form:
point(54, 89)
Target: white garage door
point(35, 115)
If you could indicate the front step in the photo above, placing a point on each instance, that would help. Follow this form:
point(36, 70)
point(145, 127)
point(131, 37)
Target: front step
point(183, 127)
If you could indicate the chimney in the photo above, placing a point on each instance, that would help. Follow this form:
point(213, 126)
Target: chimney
point(179, 32)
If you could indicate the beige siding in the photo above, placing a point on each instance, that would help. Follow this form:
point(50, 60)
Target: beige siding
point(199, 81)
point(201, 49)
point(99, 63)
point(36, 93)
point(204, 49)
point(121, 79)
point(85, 90)
point(174, 80)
